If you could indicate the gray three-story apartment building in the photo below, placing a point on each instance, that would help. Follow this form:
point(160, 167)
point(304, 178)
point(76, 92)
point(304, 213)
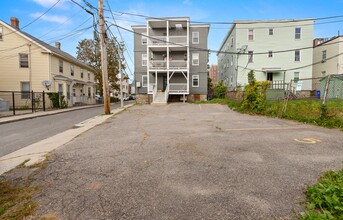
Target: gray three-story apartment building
point(277, 50)
point(171, 59)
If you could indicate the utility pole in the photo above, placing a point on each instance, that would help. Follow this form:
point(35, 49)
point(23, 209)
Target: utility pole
point(106, 91)
point(121, 78)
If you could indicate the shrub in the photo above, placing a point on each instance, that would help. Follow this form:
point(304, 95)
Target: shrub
point(57, 100)
point(220, 90)
point(255, 94)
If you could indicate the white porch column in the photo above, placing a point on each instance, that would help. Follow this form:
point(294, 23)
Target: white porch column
point(156, 79)
point(188, 55)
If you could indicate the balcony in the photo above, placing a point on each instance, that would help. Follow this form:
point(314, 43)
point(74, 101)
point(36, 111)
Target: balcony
point(173, 64)
point(163, 41)
point(177, 88)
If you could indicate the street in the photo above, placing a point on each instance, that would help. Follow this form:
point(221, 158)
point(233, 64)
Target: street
point(16, 135)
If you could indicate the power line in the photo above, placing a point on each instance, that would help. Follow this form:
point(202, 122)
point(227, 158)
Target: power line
point(121, 36)
point(36, 19)
point(219, 51)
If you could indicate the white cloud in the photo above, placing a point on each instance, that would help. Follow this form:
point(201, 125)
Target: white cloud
point(50, 18)
point(49, 3)
point(187, 2)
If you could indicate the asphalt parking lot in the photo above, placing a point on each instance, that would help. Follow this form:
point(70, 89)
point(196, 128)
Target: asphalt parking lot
point(187, 161)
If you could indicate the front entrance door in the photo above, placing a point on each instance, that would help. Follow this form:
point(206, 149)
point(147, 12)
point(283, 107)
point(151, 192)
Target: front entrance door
point(270, 76)
point(164, 83)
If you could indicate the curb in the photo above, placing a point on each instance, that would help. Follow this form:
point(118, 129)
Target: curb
point(36, 152)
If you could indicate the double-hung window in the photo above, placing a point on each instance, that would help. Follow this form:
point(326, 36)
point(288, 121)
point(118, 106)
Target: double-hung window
point(324, 55)
point(270, 54)
point(25, 90)
point(297, 33)
point(23, 60)
point(81, 73)
point(72, 70)
point(195, 80)
point(250, 56)
point(271, 31)
point(296, 76)
point(144, 81)
point(195, 37)
point(144, 39)
point(251, 34)
point(297, 55)
point(60, 66)
point(195, 59)
point(144, 59)
point(1, 33)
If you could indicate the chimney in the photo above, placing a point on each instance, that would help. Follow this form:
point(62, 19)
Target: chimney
point(15, 22)
point(58, 45)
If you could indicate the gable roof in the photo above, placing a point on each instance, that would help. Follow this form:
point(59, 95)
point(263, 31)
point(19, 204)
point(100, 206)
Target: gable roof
point(47, 47)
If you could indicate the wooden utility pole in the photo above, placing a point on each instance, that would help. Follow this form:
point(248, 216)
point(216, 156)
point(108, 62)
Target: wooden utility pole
point(121, 78)
point(106, 91)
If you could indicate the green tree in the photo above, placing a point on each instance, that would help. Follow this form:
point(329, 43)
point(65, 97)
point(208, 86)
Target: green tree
point(220, 90)
point(88, 51)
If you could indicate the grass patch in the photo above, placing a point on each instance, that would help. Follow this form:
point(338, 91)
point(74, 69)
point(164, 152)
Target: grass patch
point(23, 163)
point(16, 202)
point(325, 199)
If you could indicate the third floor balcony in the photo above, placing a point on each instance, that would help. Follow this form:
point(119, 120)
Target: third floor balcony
point(177, 41)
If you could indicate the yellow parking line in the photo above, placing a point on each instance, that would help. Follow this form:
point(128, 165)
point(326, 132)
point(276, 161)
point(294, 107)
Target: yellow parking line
point(262, 129)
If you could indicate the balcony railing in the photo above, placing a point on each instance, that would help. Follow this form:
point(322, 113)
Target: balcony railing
point(173, 64)
point(163, 41)
point(177, 88)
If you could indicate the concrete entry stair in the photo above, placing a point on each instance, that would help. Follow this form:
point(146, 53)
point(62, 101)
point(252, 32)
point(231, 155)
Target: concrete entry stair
point(160, 98)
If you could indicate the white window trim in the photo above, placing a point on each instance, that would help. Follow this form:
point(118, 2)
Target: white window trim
point(193, 77)
point(146, 59)
point(294, 76)
point(272, 31)
point(143, 36)
point(59, 65)
point(21, 60)
point(253, 34)
point(193, 33)
point(146, 85)
point(295, 33)
point(193, 54)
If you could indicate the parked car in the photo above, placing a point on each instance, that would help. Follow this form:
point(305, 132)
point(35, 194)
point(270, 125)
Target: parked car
point(126, 98)
point(132, 97)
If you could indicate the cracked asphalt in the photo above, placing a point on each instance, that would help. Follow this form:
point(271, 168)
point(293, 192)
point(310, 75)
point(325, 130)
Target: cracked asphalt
point(187, 161)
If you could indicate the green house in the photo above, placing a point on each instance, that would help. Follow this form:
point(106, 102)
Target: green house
point(335, 89)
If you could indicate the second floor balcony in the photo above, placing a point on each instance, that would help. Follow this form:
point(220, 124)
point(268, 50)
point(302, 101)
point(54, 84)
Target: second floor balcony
point(163, 65)
point(178, 41)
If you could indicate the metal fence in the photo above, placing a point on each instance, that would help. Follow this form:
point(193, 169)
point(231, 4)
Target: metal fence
point(17, 103)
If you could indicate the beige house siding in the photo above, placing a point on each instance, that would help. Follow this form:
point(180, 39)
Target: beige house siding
point(43, 65)
point(10, 71)
point(330, 65)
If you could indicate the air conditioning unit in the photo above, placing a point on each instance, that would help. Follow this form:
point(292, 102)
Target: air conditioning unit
point(138, 84)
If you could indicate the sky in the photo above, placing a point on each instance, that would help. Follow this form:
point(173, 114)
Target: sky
point(67, 23)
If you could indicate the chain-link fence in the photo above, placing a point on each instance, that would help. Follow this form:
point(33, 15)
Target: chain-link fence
point(17, 103)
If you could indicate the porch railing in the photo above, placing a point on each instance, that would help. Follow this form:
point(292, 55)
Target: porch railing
point(177, 87)
point(277, 84)
point(173, 64)
point(173, 40)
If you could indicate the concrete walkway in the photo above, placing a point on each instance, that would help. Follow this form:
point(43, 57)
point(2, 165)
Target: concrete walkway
point(36, 152)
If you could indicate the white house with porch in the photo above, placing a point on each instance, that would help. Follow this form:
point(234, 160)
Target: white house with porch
point(170, 60)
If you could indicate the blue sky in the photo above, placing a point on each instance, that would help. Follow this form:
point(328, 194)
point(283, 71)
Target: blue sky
point(67, 17)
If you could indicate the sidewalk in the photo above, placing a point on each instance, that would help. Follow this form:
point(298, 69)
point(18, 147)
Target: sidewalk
point(14, 118)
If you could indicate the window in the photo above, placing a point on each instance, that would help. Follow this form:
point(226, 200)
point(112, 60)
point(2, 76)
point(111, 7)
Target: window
point(323, 55)
point(251, 34)
point(231, 42)
point(271, 31)
point(89, 76)
point(250, 56)
point(195, 37)
point(72, 70)
point(297, 33)
point(270, 54)
point(24, 60)
point(60, 66)
point(296, 76)
point(68, 91)
point(195, 80)
point(60, 88)
point(144, 39)
point(270, 76)
point(89, 92)
point(323, 73)
point(195, 59)
point(25, 90)
point(297, 55)
point(74, 92)
point(144, 59)
point(1, 33)
point(144, 81)
point(81, 73)
point(231, 60)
